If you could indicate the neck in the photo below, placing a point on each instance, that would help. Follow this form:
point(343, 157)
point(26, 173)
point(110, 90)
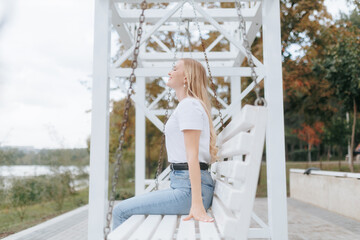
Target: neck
point(180, 94)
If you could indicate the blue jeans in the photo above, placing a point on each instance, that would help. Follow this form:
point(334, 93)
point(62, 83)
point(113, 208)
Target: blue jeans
point(172, 201)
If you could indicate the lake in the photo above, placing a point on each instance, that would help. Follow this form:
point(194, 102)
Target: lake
point(37, 170)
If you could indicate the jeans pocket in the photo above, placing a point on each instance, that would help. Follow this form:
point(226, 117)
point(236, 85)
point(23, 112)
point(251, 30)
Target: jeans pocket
point(181, 174)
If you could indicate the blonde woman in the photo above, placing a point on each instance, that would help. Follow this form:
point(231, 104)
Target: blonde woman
point(190, 143)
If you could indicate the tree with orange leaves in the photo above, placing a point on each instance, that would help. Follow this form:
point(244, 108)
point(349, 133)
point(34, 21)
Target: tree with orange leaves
point(311, 135)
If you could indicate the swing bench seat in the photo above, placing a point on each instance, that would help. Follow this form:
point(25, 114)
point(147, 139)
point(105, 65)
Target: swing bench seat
point(241, 146)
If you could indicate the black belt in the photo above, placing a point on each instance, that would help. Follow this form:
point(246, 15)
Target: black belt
point(184, 166)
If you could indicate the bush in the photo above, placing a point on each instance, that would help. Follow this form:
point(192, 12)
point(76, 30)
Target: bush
point(302, 155)
point(58, 187)
point(25, 191)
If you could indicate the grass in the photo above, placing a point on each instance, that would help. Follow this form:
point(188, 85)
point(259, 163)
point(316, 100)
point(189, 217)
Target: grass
point(10, 222)
point(35, 214)
point(329, 166)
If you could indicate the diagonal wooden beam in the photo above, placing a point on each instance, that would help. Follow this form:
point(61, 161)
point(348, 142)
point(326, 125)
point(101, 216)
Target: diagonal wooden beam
point(225, 33)
point(148, 35)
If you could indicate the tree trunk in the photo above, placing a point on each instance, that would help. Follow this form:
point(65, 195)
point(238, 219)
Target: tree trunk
point(353, 138)
point(340, 156)
point(328, 153)
point(309, 153)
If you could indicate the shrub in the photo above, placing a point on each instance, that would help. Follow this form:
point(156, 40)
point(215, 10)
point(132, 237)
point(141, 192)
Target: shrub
point(302, 155)
point(23, 192)
point(58, 187)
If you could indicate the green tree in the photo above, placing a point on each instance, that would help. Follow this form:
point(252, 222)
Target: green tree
point(340, 67)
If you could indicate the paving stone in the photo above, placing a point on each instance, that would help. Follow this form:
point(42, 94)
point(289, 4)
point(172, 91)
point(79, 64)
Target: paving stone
point(305, 222)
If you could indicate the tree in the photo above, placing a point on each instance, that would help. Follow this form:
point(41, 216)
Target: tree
point(340, 67)
point(311, 135)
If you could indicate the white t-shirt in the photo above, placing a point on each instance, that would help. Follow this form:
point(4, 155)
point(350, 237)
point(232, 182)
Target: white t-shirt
point(189, 114)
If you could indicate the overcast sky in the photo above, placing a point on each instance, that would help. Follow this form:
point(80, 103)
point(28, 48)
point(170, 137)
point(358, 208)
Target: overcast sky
point(45, 53)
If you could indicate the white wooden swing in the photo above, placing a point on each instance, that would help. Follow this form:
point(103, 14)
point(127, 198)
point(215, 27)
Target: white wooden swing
point(241, 147)
point(235, 188)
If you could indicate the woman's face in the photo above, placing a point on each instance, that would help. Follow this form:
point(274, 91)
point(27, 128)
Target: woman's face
point(177, 76)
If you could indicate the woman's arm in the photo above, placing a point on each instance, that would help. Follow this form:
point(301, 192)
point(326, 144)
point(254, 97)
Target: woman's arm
point(192, 139)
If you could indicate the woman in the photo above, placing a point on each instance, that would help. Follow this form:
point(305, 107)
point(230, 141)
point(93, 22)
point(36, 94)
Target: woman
point(190, 139)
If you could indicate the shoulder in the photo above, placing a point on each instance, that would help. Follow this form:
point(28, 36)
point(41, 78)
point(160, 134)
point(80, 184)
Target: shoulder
point(189, 101)
point(190, 106)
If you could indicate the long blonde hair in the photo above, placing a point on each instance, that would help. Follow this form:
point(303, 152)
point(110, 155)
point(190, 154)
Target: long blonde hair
point(197, 88)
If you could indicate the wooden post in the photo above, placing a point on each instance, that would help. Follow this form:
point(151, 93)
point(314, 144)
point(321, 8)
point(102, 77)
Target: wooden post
point(275, 139)
point(99, 149)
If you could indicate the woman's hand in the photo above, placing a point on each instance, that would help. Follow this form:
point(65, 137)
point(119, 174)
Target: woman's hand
point(198, 212)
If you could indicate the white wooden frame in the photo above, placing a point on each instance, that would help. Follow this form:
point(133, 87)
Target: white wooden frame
point(264, 13)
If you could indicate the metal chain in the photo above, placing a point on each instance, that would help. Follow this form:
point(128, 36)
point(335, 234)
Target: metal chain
point(160, 162)
point(242, 27)
point(124, 122)
point(213, 86)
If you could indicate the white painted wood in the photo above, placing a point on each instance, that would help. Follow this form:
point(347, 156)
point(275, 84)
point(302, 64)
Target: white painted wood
point(214, 43)
point(154, 15)
point(208, 230)
point(230, 196)
point(235, 87)
point(225, 219)
point(225, 33)
point(156, 121)
point(161, 44)
point(196, 55)
point(163, 175)
point(147, 228)
point(140, 134)
point(148, 35)
point(186, 229)
point(253, 160)
point(242, 121)
point(168, 63)
point(99, 149)
point(166, 229)
point(258, 220)
point(230, 169)
point(240, 144)
point(120, 27)
point(163, 71)
point(124, 231)
point(232, 107)
point(259, 233)
point(233, 197)
point(224, 104)
point(327, 173)
point(275, 139)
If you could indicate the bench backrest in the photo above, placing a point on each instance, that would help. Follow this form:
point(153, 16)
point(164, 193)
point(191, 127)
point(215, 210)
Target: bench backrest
point(241, 144)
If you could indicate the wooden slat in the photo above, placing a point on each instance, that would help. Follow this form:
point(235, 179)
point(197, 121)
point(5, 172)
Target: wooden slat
point(243, 121)
point(259, 233)
point(240, 144)
point(147, 228)
point(225, 219)
point(166, 229)
point(208, 230)
point(229, 195)
point(126, 228)
point(186, 229)
point(231, 169)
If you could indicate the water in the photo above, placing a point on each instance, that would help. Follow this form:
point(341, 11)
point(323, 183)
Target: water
point(18, 171)
point(36, 170)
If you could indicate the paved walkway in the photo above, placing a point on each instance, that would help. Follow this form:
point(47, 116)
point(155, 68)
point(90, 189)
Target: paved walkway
point(305, 222)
